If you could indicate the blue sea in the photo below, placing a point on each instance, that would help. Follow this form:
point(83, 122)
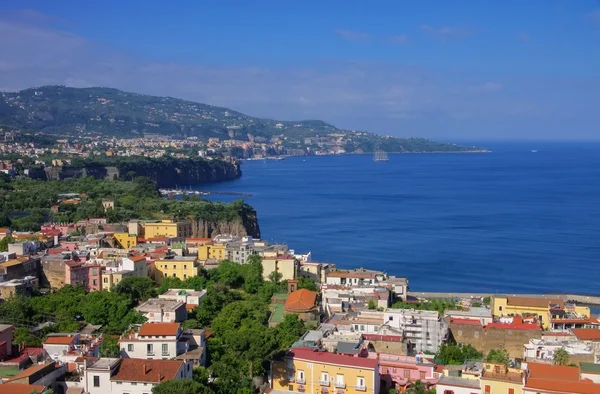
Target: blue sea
point(512, 221)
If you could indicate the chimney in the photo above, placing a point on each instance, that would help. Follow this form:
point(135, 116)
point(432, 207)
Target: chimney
point(144, 366)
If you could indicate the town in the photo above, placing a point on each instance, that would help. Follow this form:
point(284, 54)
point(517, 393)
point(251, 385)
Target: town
point(162, 311)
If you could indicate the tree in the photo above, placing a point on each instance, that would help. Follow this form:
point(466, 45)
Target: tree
point(419, 388)
point(275, 276)
point(372, 304)
point(561, 357)
point(498, 356)
point(476, 304)
point(138, 288)
point(4, 243)
point(487, 300)
point(307, 283)
point(452, 354)
point(181, 386)
point(109, 347)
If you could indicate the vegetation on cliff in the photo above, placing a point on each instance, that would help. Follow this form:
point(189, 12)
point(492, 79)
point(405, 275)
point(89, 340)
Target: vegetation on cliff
point(111, 112)
point(25, 204)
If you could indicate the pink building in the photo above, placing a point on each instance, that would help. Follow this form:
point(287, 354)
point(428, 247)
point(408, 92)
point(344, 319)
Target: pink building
point(79, 274)
point(64, 228)
point(400, 372)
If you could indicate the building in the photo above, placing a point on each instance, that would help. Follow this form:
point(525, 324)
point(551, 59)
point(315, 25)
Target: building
point(542, 350)
point(125, 240)
point(89, 276)
point(59, 345)
point(132, 376)
point(188, 297)
point(457, 385)
point(154, 341)
point(481, 314)
point(19, 268)
point(355, 277)
point(178, 267)
point(6, 336)
point(540, 308)
point(303, 302)
point(308, 371)
point(14, 287)
point(158, 310)
point(500, 379)
point(214, 251)
point(423, 331)
point(400, 372)
point(239, 251)
point(166, 228)
point(556, 379)
point(284, 265)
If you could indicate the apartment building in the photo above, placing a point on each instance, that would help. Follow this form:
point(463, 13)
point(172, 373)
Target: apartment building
point(157, 310)
point(177, 267)
point(424, 331)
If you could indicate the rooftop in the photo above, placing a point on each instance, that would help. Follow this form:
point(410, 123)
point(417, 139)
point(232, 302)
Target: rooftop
point(332, 358)
point(454, 381)
point(533, 302)
point(16, 388)
point(59, 340)
point(590, 368)
point(158, 305)
point(301, 300)
point(159, 329)
point(587, 334)
point(151, 371)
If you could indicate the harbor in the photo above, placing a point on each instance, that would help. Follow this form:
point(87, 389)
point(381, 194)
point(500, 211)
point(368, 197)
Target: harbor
point(184, 192)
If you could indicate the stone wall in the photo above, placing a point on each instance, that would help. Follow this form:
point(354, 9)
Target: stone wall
point(53, 273)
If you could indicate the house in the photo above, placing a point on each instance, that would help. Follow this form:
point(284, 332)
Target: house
point(308, 371)
point(166, 228)
point(482, 314)
point(15, 287)
point(213, 250)
point(164, 341)
point(125, 240)
point(188, 297)
point(313, 270)
point(59, 345)
point(556, 379)
point(400, 372)
point(422, 330)
point(302, 302)
point(6, 337)
point(355, 277)
point(285, 265)
point(542, 350)
point(499, 378)
point(543, 309)
point(132, 376)
point(158, 310)
point(45, 374)
point(457, 385)
point(78, 273)
point(19, 268)
point(178, 267)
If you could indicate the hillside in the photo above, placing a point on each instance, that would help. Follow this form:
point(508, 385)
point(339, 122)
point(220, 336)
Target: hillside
point(111, 112)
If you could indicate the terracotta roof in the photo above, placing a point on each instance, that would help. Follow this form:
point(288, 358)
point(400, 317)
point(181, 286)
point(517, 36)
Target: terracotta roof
point(587, 334)
point(59, 340)
point(137, 258)
point(566, 387)
point(514, 326)
point(386, 338)
point(332, 358)
point(554, 372)
point(16, 388)
point(152, 371)
point(533, 302)
point(154, 329)
point(29, 371)
point(468, 322)
point(301, 300)
point(351, 274)
point(585, 320)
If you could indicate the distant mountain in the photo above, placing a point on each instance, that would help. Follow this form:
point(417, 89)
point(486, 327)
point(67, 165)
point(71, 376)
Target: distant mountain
point(111, 112)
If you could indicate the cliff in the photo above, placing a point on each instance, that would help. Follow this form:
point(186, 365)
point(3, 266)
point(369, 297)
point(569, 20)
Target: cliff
point(166, 172)
point(238, 219)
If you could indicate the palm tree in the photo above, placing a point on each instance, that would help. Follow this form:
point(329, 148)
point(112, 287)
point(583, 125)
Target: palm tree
point(561, 357)
point(419, 388)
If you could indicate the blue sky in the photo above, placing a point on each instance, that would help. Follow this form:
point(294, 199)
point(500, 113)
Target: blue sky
point(440, 69)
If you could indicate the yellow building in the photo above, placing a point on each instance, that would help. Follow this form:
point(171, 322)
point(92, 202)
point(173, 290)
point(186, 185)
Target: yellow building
point(125, 240)
point(179, 267)
point(110, 279)
point(526, 306)
point(307, 371)
point(167, 228)
point(286, 265)
point(500, 379)
point(212, 250)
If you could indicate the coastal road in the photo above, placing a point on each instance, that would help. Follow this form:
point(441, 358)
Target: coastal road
point(581, 298)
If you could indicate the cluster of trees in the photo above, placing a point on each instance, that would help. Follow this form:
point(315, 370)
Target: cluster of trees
point(25, 204)
point(68, 309)
point(439, 305)
point(452, 354)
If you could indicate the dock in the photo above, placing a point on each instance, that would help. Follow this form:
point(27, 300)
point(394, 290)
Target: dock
point(181, 192)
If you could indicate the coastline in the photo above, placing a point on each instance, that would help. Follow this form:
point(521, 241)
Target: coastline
point(371, 153)
point(581, 298)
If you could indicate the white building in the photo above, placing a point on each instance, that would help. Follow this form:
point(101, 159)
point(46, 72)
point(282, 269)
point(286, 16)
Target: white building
point(422, 330)
point(158, 310)
point(188, 297)
point(356, 277)
point(482, 314)
point(131, 376)
point(164, 341)
point(58, 346)
point(456, 385)
point(541, 350)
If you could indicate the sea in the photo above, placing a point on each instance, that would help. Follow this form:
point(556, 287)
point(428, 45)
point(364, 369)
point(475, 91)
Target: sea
point(524, 218)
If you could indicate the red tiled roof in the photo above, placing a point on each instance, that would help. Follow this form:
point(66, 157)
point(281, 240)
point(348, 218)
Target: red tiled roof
point(59, 340)
point(332, 358)
point(513, 326)
point(562, 387)
point(137, 258)
point(533, 302)
point(555, 372)
point(587, 334)
point(29, 371)
point(586, 320)
point(300, 300)
point(387, 338)
point(152, 371)
point(351, 274)
point(157, 239)
point(154, 329)
point(468, 322)
point(16, 388)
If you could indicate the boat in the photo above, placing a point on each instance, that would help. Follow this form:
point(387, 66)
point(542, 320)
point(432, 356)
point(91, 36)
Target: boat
point(380, 156)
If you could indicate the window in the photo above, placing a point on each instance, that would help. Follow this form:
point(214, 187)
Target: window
point(150, 348)
point(174, 266)
point(134, 383)
point(96, 381)
point(185, 266)
point(391, 318)
point(362, 328)
point(95, 282)
point(360, 383)
point(487, 389)
point(184, 276)
point(448, 392)
point(130, 347)
point(165, 274)
point(324, 378)
point(339, 381)
point(459, 333)
point(422, 375)
point(174, 275)
point(301, 377)
point(500, 308)
point(105, 280)
point(165, 348)
point(406, 373)
point(394, 370)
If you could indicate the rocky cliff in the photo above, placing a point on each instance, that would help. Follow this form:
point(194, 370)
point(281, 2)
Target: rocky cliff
point(166, 172)
point(241, 220)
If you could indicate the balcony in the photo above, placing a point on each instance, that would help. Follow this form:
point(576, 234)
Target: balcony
point(360, 388)
point(340, 385)
point(324, 383)
point(150, 353)
point(301, 381)
point(165, 354)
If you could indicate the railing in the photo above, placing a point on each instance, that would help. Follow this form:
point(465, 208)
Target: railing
point(165, 353)
point(300, 381)
point(360, 388)
point(324, 383)
point(340, 385)
point(150, 353)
